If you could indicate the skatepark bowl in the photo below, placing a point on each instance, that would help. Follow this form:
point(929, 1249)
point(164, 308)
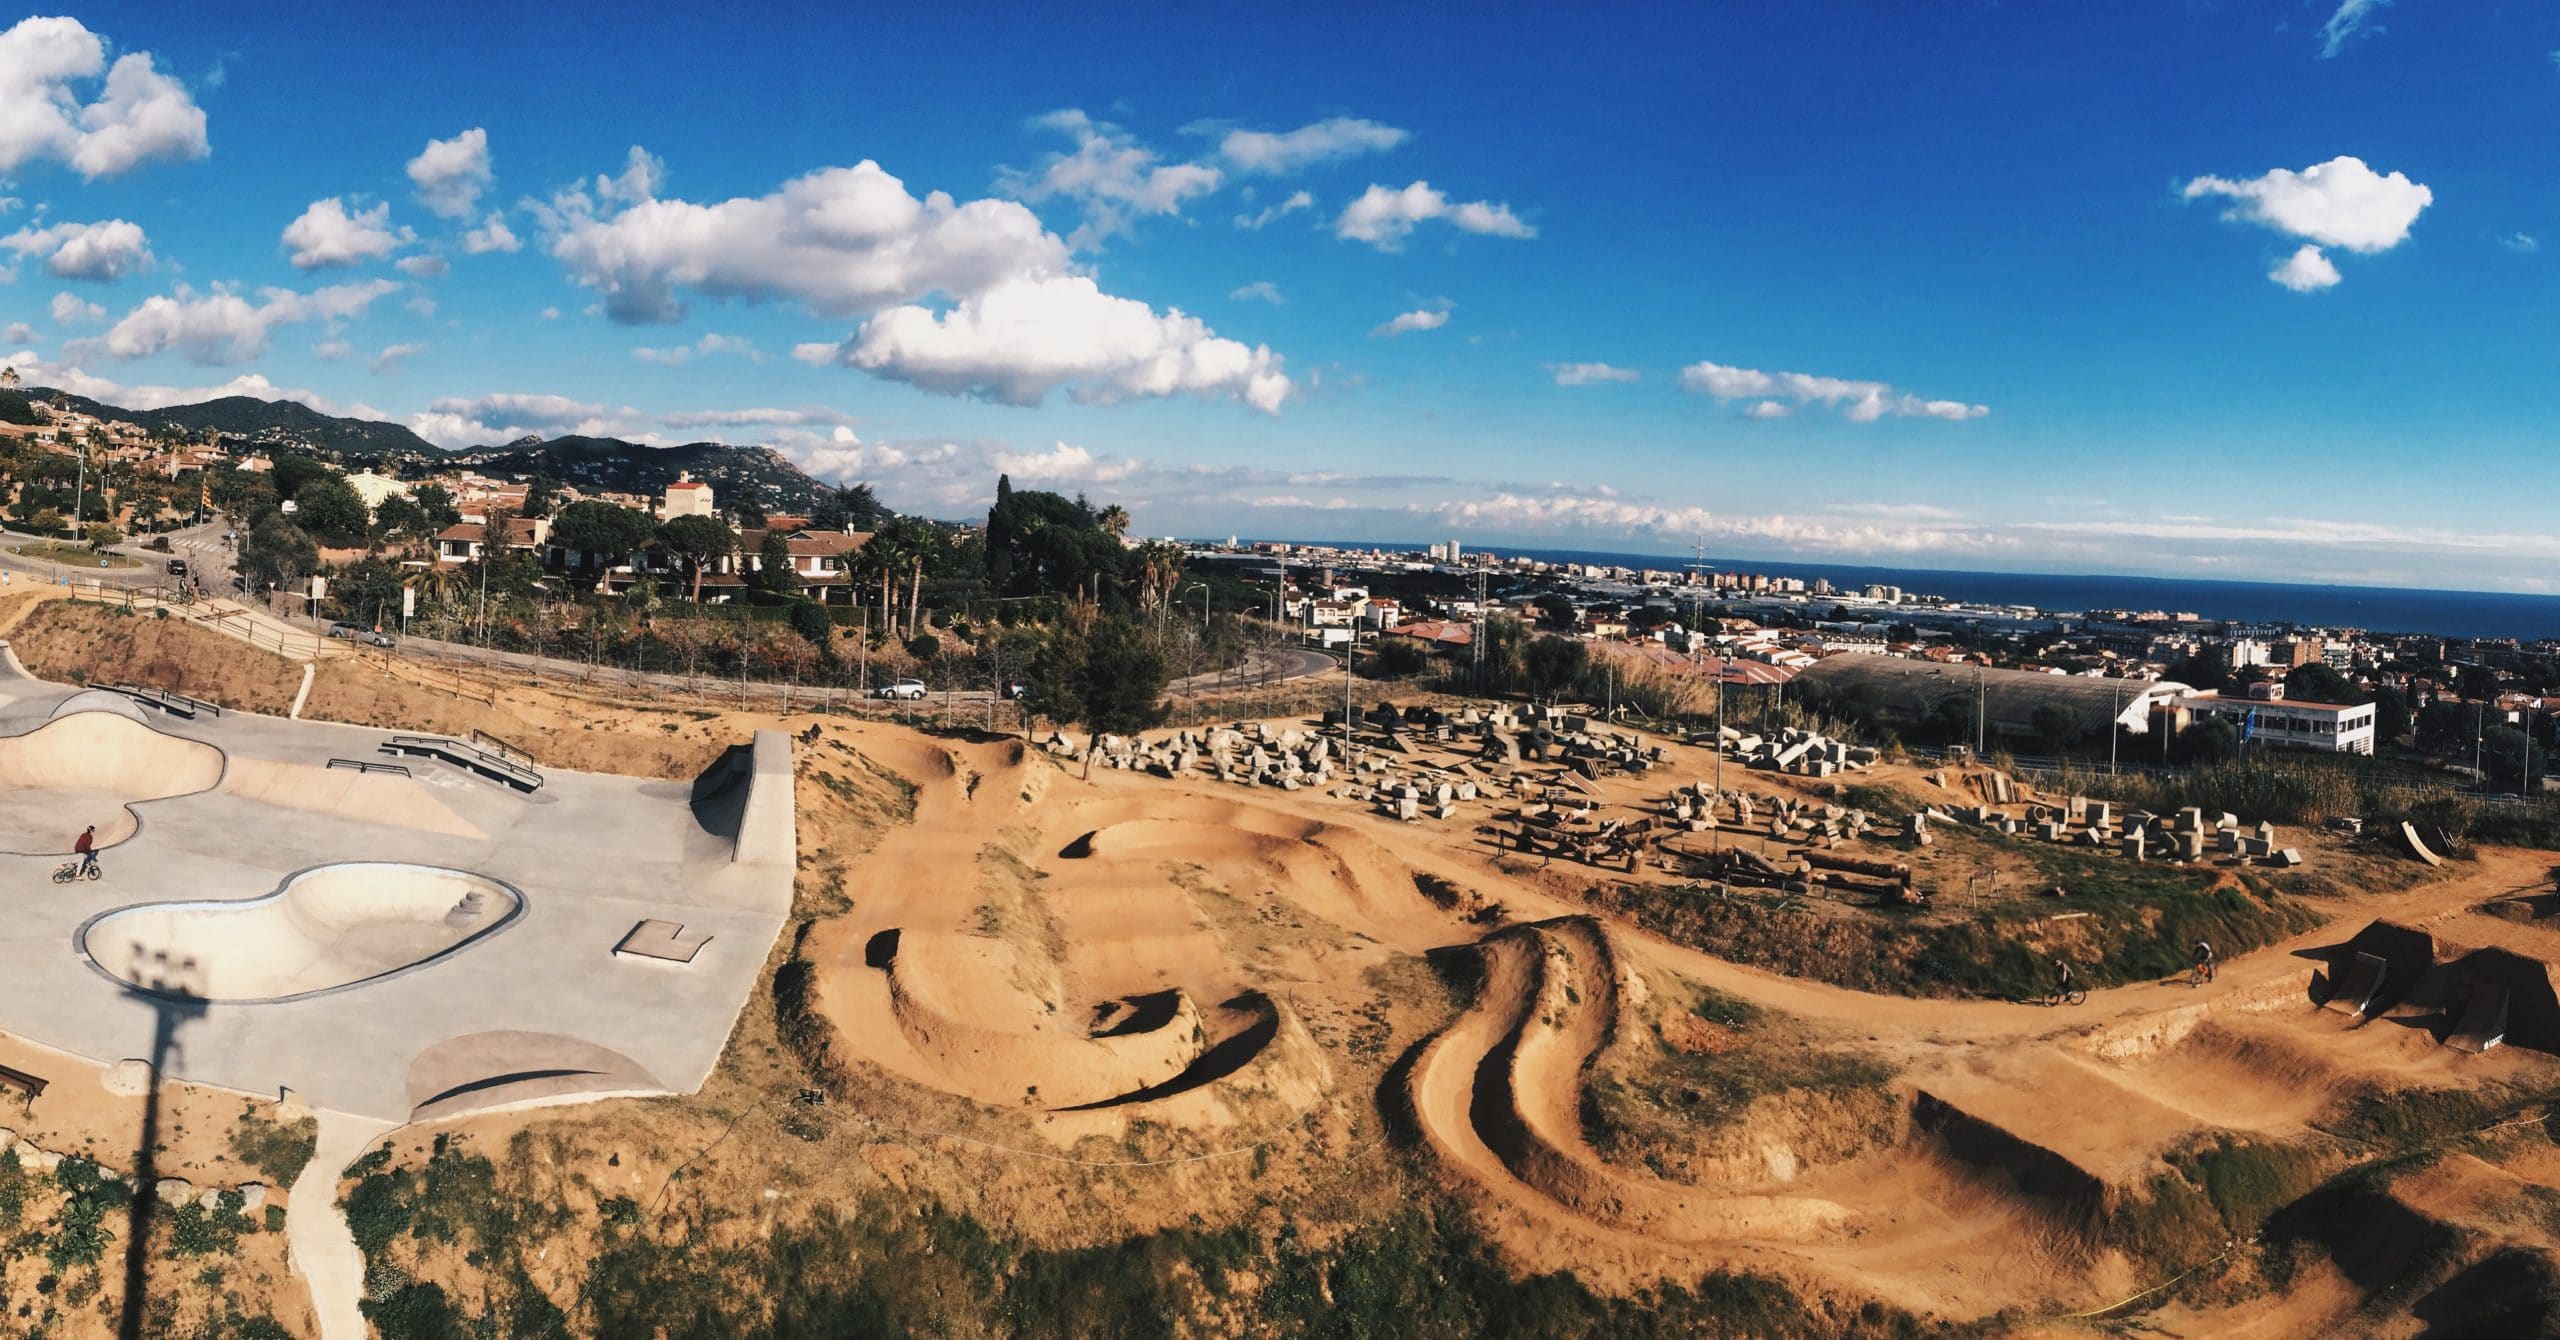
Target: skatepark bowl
point(328, 927)
point(85, 768)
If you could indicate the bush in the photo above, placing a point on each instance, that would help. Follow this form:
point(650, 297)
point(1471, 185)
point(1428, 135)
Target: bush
point(924, 646)
point(276, 1149)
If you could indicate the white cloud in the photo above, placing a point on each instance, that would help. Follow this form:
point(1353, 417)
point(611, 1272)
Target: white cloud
point(72, 378)
point(1323, 142)
point(422, 305)
point(1777, 392)
point(1383, 217)
point(223, 327)
point(492, 235)
point(1297, 200)
point(327, 235)
point(2305, 271)
point(549, 314)
point(71, 310)
point(1019, 341)
point(2352, 17)
point(1590, 374)
point(2523, 244)
point(1260, 290)
point(393, 355)
point(423, 266)
point(451, 174)
point(1607, 514)
point(18, 332)
point(1424, 318)
point(709, 344)
point(2340, 203)
point(334, 350)
point(140, 114)
point(842, 241)
point(1020, 323)
point(1111, 176)
point(808, 416)
point(465, 421)
point(103, 251)
point(1062, 464)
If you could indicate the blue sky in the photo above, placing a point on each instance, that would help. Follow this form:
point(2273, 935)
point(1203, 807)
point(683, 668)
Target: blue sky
point(2245, 290)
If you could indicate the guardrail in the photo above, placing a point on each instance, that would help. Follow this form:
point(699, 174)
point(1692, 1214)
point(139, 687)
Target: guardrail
point(501, 747)
point(466, 757)
point(362, 765)
point(167, 700)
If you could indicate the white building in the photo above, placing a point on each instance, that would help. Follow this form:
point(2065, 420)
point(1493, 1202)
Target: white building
point(376, 489)
point(685, 497)
point(2286, 723)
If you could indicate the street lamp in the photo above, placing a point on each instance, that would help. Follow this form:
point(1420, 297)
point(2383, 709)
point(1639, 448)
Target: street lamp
point(1204, 606)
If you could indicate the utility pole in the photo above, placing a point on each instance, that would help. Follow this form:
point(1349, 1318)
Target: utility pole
point(1717, 830)
point(1981, 705)
point(1477, 641)
point(1350, 650)
point(2115, 726)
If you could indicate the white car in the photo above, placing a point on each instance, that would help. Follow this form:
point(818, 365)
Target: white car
point(905, 688)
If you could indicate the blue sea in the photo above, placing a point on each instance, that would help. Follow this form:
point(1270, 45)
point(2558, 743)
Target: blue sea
point(2380, 609)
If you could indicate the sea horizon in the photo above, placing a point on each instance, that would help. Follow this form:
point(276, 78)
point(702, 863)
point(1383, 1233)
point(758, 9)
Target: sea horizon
point(2378, 609)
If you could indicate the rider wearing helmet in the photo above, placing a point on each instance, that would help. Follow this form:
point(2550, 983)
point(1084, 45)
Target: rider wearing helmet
point(2204, 961)
point(86, 848)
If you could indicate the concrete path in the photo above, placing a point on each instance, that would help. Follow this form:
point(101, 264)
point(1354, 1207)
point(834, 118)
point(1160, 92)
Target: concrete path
point(317, 1238)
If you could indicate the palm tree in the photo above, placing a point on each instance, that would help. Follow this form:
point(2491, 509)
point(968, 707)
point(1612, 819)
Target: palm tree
point(1114, 519)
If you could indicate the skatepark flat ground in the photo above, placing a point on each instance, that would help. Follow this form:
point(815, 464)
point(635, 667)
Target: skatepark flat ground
point(540, 1007)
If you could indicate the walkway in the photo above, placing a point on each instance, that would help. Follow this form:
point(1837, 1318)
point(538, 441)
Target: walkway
point(317, 1239)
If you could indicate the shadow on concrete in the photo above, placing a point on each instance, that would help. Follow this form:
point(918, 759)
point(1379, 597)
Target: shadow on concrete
point(174, 992)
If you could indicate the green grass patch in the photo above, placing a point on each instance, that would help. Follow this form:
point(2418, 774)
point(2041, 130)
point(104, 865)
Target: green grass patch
point(277, 1149)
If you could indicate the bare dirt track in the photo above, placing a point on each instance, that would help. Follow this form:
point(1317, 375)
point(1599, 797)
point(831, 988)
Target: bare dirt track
point(1087, 953)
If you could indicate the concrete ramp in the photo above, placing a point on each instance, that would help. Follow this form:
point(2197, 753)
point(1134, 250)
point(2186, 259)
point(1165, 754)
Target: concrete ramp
point(2357, 983)
point(2417, 846)
point(767, 833)
point(2408, 958)
point(2503, 997)
point(2483, 1024)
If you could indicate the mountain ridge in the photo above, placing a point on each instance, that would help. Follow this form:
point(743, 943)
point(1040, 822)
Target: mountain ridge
point(608, 464)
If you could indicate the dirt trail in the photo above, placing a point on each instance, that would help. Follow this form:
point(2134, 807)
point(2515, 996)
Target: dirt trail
point(1055, 907)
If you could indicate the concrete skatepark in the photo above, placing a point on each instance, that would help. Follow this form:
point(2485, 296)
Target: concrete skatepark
point(390, 932)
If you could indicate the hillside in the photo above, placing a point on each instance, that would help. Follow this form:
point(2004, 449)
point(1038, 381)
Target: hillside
point(597, 463)
point(271, 420)
point(757, 473)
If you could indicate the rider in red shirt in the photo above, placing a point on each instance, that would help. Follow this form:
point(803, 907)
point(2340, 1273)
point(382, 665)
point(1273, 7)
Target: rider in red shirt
point(86, 848)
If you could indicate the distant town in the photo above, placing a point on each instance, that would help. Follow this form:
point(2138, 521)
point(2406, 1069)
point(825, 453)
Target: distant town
point(2192, 687)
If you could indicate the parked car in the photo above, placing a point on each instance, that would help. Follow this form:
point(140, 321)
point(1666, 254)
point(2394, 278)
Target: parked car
point(348, 629)
point(1016, 689)
point(375, 637)
point(905, 688)
point(177, 567)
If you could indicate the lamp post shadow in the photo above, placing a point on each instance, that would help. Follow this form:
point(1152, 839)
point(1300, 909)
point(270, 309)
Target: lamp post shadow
point(174, 989)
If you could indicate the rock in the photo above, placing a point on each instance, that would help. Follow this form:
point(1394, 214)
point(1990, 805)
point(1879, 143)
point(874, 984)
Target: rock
point(210, 1198)
point(253, 1197)
point(173, 1190)
point(128, 1078)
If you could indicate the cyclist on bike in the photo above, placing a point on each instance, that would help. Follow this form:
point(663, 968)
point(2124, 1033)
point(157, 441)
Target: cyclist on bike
point(2204, 962)
point(86, 848)
point(2065, 981)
